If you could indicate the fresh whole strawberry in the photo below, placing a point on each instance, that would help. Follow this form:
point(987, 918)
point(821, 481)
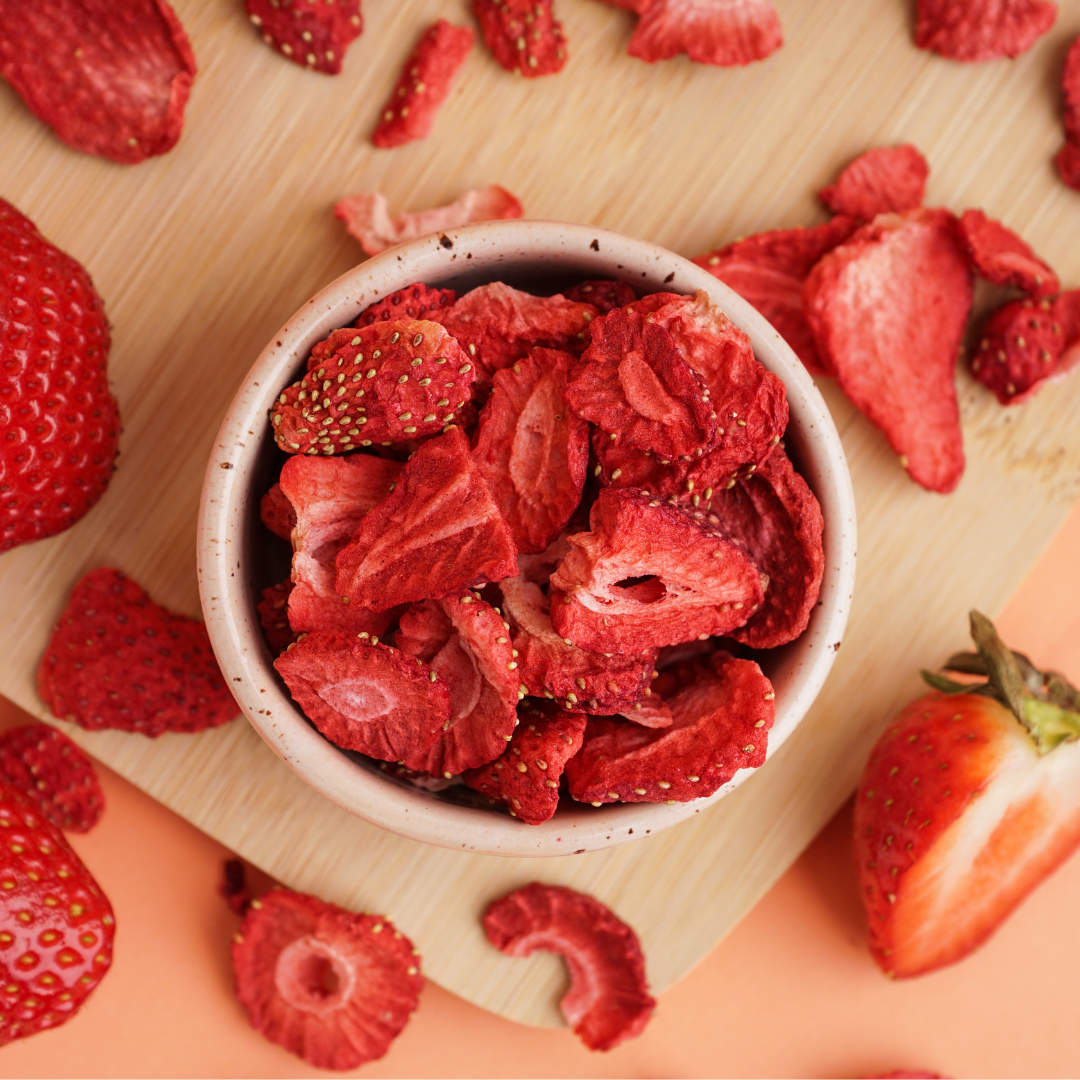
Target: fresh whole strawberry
point(59, 424)
point(969, 800)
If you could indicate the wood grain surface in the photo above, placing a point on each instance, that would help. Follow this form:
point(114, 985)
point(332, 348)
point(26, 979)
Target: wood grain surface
point(203, 254)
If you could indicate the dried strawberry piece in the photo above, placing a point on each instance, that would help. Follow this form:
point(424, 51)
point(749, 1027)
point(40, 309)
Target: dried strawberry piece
point(424, 85)
point(1019, 349)
point(633, 382)
point(1070, 85)
point(54, 774)
point(332, 987)
point(118, 660)
point(647, 575)
point(604, 295)
point(330, 497)
point(367, 217)
point(727, 33)
point(308, 33)
point(649, 712)
point(775, 516)
point(387, 382)
point(981, 29)
point(439, 530)
point(531, 450)
point(277, 513)
point(539, 567)
point(273, 611)
point(887, 179)
point(768, 271)
point(889, 308)
point(999, 256)
point(721, 725)
point(365, 696)
point(523, 35)
point(416, 301)
point(526, 776)
point(1068, 164)
point(608, 1001)
point(110, 77)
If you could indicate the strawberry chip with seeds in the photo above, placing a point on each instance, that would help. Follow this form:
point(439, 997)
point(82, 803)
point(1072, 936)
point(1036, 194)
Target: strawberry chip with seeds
point(413, 302)
point(608, 1001)
point(1068, 158)
point(332, 987)
point(310, 34)
point(273, 611)
point(523, 35)
point(999, 256)
point(888, 179)
point(727, 33)
point(277, 513)
point(1019, 349)
point(604, 295)
point(973, 30)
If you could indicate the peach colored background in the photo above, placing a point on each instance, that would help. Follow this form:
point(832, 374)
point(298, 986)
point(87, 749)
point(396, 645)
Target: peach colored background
point(792, 992)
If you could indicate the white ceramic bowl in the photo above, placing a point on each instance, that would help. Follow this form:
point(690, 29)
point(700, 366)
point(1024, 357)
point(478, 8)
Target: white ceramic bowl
point(236, 561)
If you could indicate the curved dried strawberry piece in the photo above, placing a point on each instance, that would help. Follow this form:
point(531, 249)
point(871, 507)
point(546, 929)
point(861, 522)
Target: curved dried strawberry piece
point(54, 774)
point(332, 987)
point(363, 695)
point(647, 575)
point(1019, 349)
point(1070, 85)
point(314, 36)
point(608, 1001)
point(721, 725)
point(523, 35)
point(417, 301)
point(605, 295)
point(277, 513)
point(999, 256)
point(889, 308)
point(531, 450)
point(649, 712)
point(1068, 164)
point(722, 32)
point(273, 611)
point(439, 530)
point(526, 775)
point(974, 30)
point(887, 179)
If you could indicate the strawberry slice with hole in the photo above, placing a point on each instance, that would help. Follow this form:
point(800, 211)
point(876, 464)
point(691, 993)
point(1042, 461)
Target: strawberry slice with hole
point(331, 987)
point(999, 256)
point(523, 35)
point(604, 295)
point(311, 34)
point(608, 1001)
point(1019, 349)
point(277, 513)
point(273, 610)
point(973, 30)
point(727, 33)
point(887, 179)
point(415, 301)
point(526, 775)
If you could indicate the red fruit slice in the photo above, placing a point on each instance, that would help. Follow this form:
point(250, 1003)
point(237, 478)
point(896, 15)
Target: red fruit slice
point(887, 179)
point(721, 725)
point(649, 712)
point(526, 776)
point(981, 29)
point(413, 302)
point(722, 32)
point(424, 85)
point(368, 219)
point(608, 1001)
point(647, 575)
point(1068, 164)
point(277, 513)
point(273, 611)
point(332, 987)
point(439, 530)
point(768, 271)
point(633, 383)
point(54, 774)
point(312, 35)
point(604, 295)
point(531, 450)
point(523, 35)
point(330, 497)
point(110, 77)
point(1019, 349)
point(889, 309)
point(1070, 85)
point(118, 660)
point(365, 696)
point(999, 256)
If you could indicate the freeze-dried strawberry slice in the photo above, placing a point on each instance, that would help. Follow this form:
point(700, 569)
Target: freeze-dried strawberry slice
point(608, 1001)
point(330, 497)
point(888, 309)
point(647, 575)
point(604, 295)
point(51, 771)
point(424, 85)
point(776, 517)
point(332, 987)
point(721, 725)
point(277, 513)
point(1068, 164)
point(437, 531)
point(273, 611)
point(526, 776)
point(633, 383)
point(649, 712)
point(887, 179)
point(1070, 85)
point(308, 33)
point(110, 77)
point(118, 660)
point(364, 696)
point(388, 382)
point(999, 256)
point(768, 271)
point(1019, 349)
point(722, 32)
point(531, 450)
point(523, 35)
point(981, 29)
point(367, 217)
point(416, 301)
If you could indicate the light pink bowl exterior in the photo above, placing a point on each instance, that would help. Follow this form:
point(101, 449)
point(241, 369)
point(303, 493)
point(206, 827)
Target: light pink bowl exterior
point(488, 252)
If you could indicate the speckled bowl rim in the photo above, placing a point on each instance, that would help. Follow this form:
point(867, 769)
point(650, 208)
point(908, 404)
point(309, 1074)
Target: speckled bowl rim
point(487, 252)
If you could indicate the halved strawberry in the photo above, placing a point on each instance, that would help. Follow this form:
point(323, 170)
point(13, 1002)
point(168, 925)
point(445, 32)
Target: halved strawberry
point(332, 987)
point(273, 611)
point(415, 301)
point(523, 35)
point(999, 256)
point(722, 32)
point(277, 513)
point(981, 29)
point(887, 179)
point(604, 295)
point(608, 1001)
point(306, 32)
point(969, 799)
point(1019, 349)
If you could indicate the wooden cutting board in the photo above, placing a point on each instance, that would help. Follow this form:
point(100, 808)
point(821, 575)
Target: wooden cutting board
point(203, 254)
